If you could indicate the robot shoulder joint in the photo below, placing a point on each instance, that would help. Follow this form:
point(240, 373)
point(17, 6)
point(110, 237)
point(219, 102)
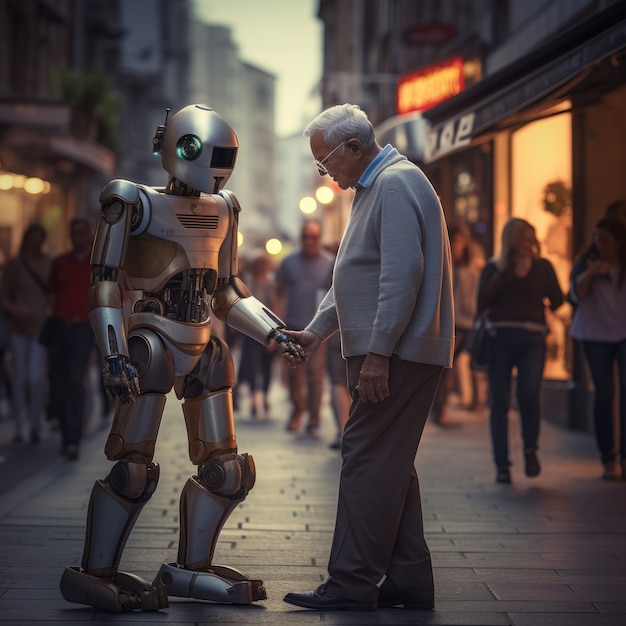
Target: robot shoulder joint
point(115, 196)
point(118, 189)
point(231, 200)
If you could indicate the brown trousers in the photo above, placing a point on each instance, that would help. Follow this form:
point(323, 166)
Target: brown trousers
point(379, 528)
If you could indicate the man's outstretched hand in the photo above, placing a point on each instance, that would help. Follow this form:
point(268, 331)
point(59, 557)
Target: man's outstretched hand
point(307, 343)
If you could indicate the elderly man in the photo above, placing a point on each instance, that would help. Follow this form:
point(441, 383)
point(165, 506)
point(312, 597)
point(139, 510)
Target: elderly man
point(391, 301)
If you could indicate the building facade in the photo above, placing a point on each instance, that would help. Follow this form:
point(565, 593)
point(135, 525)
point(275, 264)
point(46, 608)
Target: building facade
point(512, 109)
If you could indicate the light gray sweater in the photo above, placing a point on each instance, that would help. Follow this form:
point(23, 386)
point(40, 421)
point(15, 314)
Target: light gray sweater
point(392, 282)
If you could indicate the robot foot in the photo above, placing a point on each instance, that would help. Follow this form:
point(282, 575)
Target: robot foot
point(116, 594)
point(217, 584)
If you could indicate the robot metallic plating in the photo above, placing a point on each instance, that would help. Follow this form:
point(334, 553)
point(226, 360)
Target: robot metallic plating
point(177, 246)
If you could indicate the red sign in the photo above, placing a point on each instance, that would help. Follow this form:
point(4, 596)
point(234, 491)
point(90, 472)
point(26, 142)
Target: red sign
point(429, 86)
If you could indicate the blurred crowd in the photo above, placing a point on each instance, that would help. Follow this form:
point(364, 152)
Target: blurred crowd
point(47, 351)
point(46, 340)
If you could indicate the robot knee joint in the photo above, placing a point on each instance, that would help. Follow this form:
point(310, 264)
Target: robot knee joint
point(228, 475)
point(133, 481)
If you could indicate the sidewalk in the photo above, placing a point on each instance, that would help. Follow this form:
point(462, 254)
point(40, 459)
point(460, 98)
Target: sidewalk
point(544, 551)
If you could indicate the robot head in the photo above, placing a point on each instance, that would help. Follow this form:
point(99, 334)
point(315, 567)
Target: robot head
point(198, 148)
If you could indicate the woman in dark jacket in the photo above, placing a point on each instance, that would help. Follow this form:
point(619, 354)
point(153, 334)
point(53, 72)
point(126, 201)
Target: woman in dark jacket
point(513, 291)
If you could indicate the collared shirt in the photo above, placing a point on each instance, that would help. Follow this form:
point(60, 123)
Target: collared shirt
point(367, 177)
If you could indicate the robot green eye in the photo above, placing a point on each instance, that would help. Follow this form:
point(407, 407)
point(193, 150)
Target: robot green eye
point(189, 147)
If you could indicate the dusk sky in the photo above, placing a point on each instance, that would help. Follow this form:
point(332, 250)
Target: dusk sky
point(283, 37)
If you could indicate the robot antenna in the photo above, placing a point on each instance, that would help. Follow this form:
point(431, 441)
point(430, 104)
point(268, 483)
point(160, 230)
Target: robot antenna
point(157, 140)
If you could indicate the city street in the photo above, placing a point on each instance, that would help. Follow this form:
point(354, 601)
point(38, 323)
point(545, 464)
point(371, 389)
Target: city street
point(549, 551)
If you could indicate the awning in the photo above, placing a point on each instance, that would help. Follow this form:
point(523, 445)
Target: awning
point(40, 134)
point(546, 71)
point(405, 132)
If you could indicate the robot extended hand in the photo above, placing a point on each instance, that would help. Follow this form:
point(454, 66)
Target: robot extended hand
point(289, 344)
point(121, 380)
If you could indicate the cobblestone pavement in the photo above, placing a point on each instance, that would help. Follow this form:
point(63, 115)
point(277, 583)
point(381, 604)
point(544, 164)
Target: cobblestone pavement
point(548, 551)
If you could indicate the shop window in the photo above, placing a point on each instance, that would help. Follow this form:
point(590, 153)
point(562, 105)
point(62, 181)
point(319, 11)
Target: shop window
point(541, 194)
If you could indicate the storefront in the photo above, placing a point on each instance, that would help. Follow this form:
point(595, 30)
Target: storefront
point(542, 139)
point(50, 171)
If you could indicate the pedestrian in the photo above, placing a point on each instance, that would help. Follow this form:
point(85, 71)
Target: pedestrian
point(24, 300)
point(512, 292)
point(465, 277)
point(340, 398)
point(599, 292)
point(70, 346)
point(255, 363)
point(301, 279)
point(391, 300)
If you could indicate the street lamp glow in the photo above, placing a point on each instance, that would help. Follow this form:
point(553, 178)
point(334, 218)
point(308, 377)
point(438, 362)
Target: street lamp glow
point(308, 205)
point(33, 186)
point(273, 246)
point(324, 194)
point(18, 181)
point(239, 239)
point(6, 182)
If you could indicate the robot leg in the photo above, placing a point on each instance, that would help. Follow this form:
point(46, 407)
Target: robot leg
point(117, 501)
point(114, 507)
point(223, 480)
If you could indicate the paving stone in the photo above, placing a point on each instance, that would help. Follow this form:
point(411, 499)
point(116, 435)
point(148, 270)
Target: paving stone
point(541, 552)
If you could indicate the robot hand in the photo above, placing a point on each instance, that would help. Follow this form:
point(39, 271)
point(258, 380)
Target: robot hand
point(289, 346)
point(121, 380)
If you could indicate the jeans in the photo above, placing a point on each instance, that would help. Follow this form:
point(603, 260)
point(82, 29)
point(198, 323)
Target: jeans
point(29, 381)
point(601, 357)
point(525, 350)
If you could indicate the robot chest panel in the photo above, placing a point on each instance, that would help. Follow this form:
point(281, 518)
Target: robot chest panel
point(196, 225)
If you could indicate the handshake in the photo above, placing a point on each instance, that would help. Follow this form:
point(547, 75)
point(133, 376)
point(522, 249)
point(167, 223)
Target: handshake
point(292, 350)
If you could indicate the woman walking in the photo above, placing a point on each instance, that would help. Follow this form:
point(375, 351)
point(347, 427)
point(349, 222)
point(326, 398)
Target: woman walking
point(513, 291)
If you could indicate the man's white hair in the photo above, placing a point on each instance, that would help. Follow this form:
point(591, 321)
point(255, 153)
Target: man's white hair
point(342, 122)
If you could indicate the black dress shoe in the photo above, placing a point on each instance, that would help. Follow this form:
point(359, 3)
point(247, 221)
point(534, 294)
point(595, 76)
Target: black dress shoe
point(321, 600)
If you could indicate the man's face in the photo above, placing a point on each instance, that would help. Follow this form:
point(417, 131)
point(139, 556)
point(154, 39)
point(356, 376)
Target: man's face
point(311, 240)
point(342, 165)
point(81, 237)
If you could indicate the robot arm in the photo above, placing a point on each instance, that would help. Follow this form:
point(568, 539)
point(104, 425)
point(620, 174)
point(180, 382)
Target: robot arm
point(235, 305)
point(120, 205)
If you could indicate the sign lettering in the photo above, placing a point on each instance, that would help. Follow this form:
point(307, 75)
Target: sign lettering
point(451, 135)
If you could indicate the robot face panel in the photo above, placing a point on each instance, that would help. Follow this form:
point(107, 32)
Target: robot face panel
point(199, 148)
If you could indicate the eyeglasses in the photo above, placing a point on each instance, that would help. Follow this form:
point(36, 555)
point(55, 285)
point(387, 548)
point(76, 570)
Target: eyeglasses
point(320, 164)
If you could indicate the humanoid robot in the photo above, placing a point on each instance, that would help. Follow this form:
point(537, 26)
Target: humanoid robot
point(177, 246)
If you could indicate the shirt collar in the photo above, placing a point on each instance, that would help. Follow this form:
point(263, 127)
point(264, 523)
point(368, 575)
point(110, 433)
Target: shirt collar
point(367, 177)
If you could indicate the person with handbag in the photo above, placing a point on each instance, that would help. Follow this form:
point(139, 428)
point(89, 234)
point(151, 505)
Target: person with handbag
point(24, 301)
point(513, 289)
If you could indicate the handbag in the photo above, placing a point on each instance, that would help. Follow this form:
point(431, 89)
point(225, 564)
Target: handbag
point(481, 348)
point(53, 325)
